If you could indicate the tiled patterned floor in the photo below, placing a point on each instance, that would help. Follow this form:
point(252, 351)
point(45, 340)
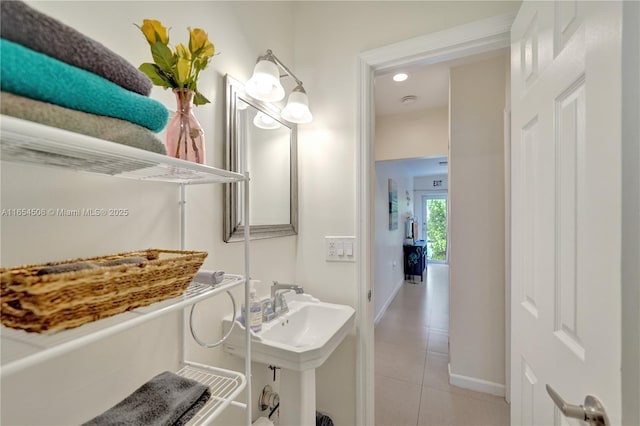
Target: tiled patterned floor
point(411, 353)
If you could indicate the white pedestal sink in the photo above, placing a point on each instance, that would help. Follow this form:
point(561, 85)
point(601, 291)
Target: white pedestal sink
point(298, 342)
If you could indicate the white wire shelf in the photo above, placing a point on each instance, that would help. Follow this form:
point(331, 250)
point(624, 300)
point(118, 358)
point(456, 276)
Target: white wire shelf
point(21, 350)
point(225, 386)
point(33, 143)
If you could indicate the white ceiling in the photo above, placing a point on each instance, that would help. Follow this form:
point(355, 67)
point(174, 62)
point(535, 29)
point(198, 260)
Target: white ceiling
point(430, 85)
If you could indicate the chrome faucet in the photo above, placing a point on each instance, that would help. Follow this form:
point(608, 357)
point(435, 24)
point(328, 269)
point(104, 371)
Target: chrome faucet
point(279, 302)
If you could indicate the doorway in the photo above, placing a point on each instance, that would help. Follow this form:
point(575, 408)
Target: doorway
point(435, 227)
point(469, 39)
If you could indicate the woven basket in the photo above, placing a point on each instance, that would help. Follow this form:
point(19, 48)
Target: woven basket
point(51, 297)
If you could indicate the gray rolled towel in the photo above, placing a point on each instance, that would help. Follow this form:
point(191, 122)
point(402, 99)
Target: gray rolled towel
point(26, 26)
point(98, 126)
point(211, 278)
point(167, 399)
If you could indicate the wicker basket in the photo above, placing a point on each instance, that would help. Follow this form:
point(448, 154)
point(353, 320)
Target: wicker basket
point(53, 296)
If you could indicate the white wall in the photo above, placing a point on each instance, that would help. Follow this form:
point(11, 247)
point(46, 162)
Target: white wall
point(476, 202)
point(329, 38)
point(73, 388)
point(422, 133)
point(388, 253)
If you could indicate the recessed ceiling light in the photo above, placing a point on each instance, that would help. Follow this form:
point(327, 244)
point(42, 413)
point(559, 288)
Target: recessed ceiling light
point(400, 77)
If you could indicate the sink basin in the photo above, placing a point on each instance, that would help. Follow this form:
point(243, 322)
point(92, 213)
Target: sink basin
point(302, 339)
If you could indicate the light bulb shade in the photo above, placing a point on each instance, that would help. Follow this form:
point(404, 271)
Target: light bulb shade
point(297, 108)
point(264, 84)
point(263, 121)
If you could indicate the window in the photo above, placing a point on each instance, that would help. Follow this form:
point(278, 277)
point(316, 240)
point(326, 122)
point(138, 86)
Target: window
point(434, 214)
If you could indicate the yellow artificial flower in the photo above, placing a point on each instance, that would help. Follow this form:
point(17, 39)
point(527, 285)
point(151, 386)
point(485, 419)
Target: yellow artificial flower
point(198, 39)
point(154, 31)
point(183, 52)
point(208, 49)
point(177, 68)
point(183, 68)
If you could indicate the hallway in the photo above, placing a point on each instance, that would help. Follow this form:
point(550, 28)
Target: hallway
point(411, 363)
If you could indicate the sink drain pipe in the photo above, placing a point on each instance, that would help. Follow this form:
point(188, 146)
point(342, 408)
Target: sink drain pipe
point(270, 400)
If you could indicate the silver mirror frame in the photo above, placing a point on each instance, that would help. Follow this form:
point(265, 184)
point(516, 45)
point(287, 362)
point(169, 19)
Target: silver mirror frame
point(233, 229)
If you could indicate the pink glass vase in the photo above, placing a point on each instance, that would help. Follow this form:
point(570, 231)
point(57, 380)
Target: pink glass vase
point(185, 138)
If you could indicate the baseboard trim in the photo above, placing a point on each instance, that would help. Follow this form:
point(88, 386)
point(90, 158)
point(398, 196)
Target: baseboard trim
point(388, 302)
point(477, 385)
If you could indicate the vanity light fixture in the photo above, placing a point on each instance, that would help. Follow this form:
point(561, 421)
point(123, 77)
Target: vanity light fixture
point(297, 108)
point(264, 85)
point(263, 121)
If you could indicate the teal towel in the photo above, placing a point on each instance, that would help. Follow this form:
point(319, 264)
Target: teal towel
point(37, 76)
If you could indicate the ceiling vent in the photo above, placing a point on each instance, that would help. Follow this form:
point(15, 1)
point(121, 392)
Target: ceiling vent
point(409, 100)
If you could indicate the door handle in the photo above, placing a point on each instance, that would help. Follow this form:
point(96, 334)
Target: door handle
point(592, 411)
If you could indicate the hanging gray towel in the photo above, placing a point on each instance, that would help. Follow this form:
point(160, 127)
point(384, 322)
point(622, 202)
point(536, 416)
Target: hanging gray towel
point(167, 399)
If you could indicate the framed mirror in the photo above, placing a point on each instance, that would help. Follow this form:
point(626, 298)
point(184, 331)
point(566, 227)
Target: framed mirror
point(259, 141)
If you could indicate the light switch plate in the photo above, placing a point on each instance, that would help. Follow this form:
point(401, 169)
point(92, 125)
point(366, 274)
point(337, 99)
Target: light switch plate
point(340, 249)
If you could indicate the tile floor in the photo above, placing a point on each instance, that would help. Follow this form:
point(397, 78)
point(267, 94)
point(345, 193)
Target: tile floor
point(411, 358)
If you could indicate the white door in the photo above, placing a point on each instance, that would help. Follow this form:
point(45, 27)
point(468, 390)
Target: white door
point(566, 193)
